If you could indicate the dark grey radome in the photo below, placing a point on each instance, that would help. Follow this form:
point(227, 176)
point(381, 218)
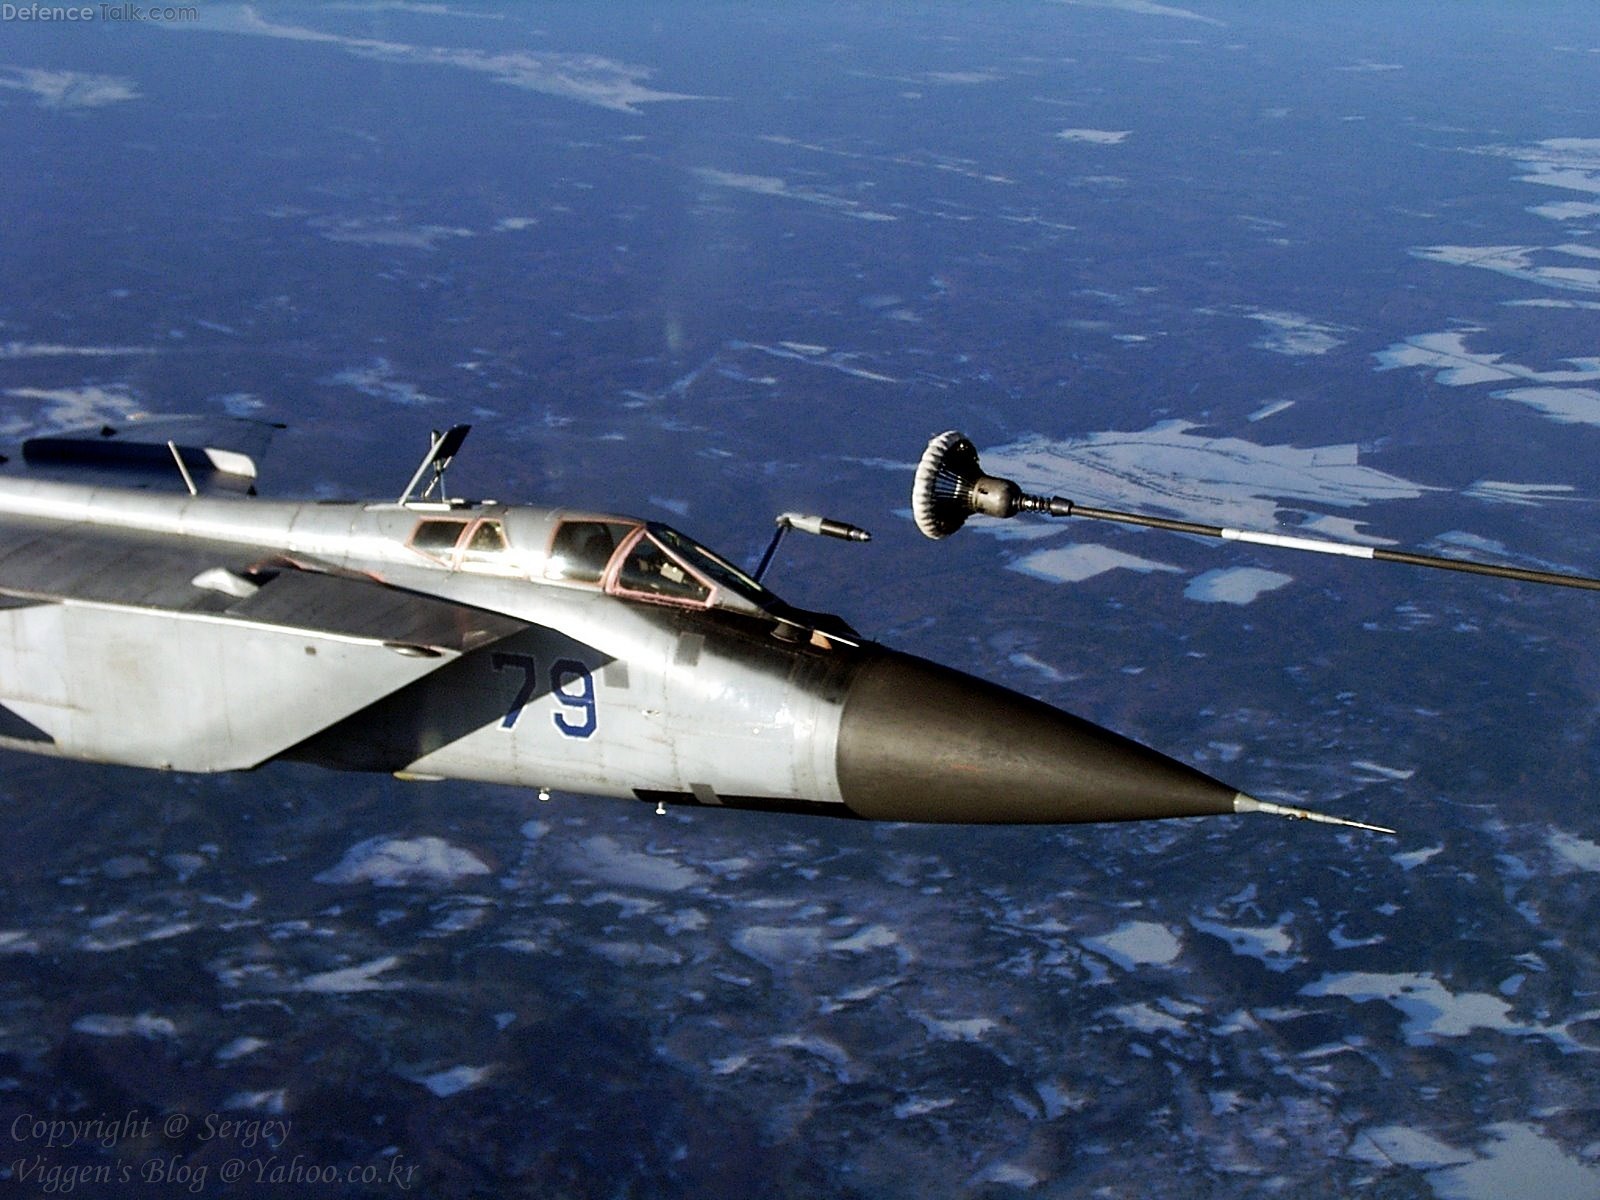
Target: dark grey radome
point(921, 742)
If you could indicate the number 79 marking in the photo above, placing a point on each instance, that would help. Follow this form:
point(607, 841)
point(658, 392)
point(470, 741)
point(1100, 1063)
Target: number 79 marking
point(570, 683)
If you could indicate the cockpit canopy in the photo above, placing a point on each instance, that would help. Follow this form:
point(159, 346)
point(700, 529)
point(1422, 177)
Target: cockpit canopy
point(650, 561)
point(636, 560)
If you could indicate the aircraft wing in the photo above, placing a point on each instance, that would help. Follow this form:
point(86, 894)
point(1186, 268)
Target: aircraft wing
point(201, 656)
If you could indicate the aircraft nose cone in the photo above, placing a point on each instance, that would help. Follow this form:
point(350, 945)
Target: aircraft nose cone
point(921, 742)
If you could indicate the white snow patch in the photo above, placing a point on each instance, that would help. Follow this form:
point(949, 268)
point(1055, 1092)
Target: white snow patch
point(777, 947)
point(1270, 410)
point(273, 1101)
point(17, 941)
point(1146, 1018)
point(1564, 162)
point(1471, 543)
point(1456, 366)
point(965, 77)
point(959, 1029)
point(1294, 335)
point(606, 860)
point(360, 978)
point(684, 920)
point(454, 1080)
point(68, 89)
point(133, 935)
point(11, 350)
point(1415, 858)
point(400, 862)
point(771, 185)
point(377, 379)
point(1166, 469)
point(1570, 406)
point(1271, 945)
point(1381, 771)
point(1095, 137)
point(1010, 1175)
point(1145, 8)
point(144, 1025)
point(1029, 662)
point(1340, 941)
point(828, 1051)
point(69, 408)
point(1080, 561)
point(1580, 852)
point(869, 937)
point(1518, 262)
point(1430, 1009)
point(238, 404)
point(384, 231)
point(1137, 944)
point(637, 954)
point(1496, 491)
point(1546, 302)
point(1057, 1100)
point(1341, 529)
point(840, 360)
point(1447, 354)
point(1234, 585)
point(1565, 210)
point(585, 78)
point(1519, 1162)
point(921, 1106)
point(1398, 1144)
point(239, 1048)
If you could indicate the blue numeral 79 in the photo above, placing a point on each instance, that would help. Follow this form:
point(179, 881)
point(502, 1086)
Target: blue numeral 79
point(564, 673)
point(570, 683)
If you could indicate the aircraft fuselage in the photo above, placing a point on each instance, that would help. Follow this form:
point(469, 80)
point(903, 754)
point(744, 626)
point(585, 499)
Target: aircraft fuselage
point(513, 644)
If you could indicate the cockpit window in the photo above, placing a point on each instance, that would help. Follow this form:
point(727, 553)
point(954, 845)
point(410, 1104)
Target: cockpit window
point(581, 549)
point(651, 571)
point(437, 537)
point(488, 540)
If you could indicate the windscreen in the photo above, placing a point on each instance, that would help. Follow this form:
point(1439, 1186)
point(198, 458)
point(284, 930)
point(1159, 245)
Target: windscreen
point(715, 568)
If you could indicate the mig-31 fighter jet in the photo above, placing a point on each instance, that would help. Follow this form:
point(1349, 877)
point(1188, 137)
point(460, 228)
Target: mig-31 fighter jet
point(203, 628)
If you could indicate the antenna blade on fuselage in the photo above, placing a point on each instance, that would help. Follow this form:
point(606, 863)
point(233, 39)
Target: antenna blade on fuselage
point(442, 447)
